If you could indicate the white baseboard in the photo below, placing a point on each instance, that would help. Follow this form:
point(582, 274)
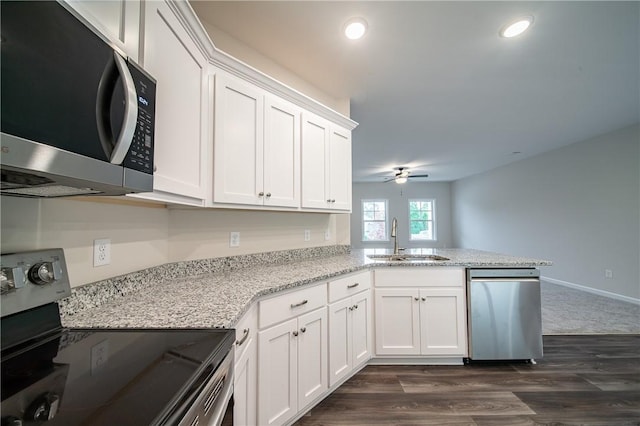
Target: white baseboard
point(604, 293)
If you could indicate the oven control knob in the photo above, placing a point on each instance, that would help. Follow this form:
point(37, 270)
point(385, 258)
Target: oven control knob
point(43, 408)
point(42, 273)
point(11, 421)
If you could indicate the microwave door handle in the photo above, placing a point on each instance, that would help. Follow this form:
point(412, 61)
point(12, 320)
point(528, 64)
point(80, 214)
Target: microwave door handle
point(123, 143)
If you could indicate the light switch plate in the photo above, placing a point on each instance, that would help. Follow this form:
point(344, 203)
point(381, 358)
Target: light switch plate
point(307, 235)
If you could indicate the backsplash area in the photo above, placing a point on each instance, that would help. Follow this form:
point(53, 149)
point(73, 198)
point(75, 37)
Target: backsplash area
point(147, 235)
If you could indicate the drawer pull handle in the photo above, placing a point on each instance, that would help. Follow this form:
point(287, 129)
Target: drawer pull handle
point(295, 305)
point(354, 285)
point(295, 333)
point(245, 336)
point(303, 329)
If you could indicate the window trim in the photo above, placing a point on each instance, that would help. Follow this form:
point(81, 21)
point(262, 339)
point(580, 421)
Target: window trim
point(386, 219)
point(433, 221)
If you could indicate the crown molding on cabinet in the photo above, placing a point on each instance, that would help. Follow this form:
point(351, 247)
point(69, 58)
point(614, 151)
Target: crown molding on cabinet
point(228, 63)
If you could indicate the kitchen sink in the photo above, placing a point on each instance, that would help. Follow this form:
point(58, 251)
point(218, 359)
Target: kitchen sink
point(407, 257)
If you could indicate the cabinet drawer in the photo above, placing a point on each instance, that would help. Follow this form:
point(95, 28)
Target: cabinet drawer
point(280, 308)
point(419, 277)
point(346, 286)
point(246, 331)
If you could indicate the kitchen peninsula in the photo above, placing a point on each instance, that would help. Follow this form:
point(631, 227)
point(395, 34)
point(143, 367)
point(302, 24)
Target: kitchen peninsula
point(215, 293)
point(304, 319)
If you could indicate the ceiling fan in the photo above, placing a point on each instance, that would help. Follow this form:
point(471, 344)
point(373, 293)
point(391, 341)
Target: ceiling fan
point(402, 174)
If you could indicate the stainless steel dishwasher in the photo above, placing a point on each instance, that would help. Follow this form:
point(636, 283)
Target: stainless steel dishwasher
point(505, 320)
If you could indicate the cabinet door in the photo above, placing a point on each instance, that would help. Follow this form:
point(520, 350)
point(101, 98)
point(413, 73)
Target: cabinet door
point(238, 142)
point(277, 373)
point(312, 356)
point(180, 69)
point(281, 153)
point(341, 336)
point(443, 322)
point(315, 157)
point(397, 321)
point(361, 327)
point(340, 169)
point(117, 20)
point(244, 391)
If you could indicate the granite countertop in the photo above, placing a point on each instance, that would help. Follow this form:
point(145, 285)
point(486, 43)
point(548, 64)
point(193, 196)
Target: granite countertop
point(219, 299)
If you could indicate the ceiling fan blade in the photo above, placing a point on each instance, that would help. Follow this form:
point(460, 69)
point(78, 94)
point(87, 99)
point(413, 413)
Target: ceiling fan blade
point(389, 180)
point(418, 176)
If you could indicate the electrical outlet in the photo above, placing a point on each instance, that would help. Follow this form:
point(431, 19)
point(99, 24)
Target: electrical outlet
point(327, 234)
point(101, 252)
point(99, 356)
point(234, 239)
point(608, 273)
point(307, 235)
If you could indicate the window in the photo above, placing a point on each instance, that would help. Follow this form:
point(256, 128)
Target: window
point(422, 219)
point(374, 220)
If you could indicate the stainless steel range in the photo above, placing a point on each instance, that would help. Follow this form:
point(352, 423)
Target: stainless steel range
point(101, 376)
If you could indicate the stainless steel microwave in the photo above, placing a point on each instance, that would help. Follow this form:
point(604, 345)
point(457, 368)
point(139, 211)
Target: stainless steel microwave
point(77, 117)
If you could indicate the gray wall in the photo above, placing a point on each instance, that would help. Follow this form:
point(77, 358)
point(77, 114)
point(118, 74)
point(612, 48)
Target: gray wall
point(398, 197)
point(577, 206)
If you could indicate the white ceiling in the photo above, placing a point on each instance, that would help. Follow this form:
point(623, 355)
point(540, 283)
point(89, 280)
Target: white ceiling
point(435, 88)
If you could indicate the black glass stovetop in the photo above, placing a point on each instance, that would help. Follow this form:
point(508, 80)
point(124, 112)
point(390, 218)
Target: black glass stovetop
point(108, 377)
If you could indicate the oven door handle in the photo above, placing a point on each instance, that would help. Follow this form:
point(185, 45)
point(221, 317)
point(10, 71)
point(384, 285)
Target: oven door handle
point(219, 411)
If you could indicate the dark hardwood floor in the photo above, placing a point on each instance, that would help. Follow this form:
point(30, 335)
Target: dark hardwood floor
point(582, 380)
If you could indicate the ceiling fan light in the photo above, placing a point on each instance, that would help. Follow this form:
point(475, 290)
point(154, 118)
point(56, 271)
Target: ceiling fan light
point(517, 27)
point(401, 179)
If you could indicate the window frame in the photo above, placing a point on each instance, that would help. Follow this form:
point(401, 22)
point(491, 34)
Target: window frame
point(433, 219)
point(363, 221)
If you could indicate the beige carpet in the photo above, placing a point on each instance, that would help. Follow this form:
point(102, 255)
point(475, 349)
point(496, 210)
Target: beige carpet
point(569, 311)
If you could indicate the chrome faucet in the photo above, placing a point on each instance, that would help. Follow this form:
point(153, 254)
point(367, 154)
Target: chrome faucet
point(394, 234)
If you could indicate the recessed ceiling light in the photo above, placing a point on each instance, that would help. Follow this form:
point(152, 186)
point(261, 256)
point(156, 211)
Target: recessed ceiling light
point(516, 27)
point(355, 28)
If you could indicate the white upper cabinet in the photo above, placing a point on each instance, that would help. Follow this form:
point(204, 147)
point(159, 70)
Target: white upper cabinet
point(180, 68)
point(117, 20)
point(281, 153)
point(238, 142)
point(340, 168)
point(256, 146)
point(326, 165)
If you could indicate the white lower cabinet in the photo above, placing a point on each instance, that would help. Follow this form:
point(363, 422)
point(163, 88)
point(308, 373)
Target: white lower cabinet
point(246, 370)
point(350, 335)
point(350, 324)
point(292, 365)
point(420, 312)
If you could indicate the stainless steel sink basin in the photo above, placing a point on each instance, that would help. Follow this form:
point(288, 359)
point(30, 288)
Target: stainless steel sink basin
point(407, 257)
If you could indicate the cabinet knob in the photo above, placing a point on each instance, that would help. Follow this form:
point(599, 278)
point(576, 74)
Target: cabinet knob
point(351, 308)
point(416, 298)
point(295, 333)
point(355, 306)
point(260, 194)
point(155, 168)
point(424, 299)
point(333, 201)
point(303, 329)
point(329, 200)
point(268, 194)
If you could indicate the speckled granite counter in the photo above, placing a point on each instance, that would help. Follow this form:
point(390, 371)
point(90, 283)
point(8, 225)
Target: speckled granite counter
point(216, 293)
